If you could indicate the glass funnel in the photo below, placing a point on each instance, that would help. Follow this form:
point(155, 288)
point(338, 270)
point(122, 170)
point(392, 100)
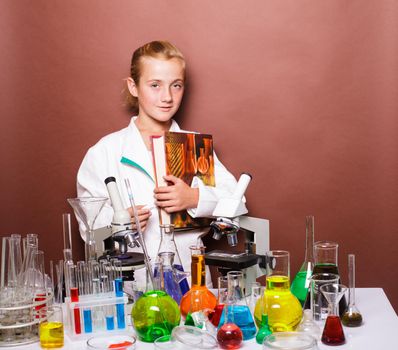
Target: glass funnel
point(87, 209)
point(198, 278)
point(351, 317)
point(333, 333)
point(302, 279)
point(168, 245)
point(282, 307)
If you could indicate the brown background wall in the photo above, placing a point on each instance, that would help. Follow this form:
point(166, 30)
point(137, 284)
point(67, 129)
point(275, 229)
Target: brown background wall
point(302, 94)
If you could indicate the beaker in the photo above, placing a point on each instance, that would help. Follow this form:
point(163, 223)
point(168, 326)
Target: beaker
point(168, 245)
point(87, 210)
point(301, 281)
point(319, 304)
point(326, 261)
point(198, 282)
point(282, 307)
point(51, 327)
point(351, 317)
point(333, 333)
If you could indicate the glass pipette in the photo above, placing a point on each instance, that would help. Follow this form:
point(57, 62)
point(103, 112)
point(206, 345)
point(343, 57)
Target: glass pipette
point(147, 259)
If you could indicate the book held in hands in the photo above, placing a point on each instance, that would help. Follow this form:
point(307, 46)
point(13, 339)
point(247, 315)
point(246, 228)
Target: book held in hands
point(184, 155)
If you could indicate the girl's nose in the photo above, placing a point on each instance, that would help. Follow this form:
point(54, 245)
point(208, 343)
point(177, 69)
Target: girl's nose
point(166, 95)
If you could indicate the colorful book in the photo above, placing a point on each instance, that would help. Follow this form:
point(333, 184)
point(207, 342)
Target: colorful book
point(183, 155)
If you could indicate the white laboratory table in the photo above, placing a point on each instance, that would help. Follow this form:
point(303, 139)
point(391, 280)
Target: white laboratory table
point(379, 331)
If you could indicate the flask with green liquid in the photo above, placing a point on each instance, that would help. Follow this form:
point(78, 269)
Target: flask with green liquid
point(302, 279)
point(155, 313)
point(282, 307)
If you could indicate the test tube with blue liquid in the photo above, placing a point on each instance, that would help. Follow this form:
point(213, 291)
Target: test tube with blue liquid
point(118, 281)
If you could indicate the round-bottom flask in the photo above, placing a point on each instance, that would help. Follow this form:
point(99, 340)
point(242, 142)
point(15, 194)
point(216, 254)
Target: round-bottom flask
point(154, 315)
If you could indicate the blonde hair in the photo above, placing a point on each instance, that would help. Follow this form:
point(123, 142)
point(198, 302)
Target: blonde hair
point(156, 49)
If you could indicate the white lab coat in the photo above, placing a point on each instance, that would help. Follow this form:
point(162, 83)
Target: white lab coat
point(123, 154)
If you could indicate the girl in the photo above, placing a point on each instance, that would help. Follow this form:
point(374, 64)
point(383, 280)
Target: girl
point(155, 90)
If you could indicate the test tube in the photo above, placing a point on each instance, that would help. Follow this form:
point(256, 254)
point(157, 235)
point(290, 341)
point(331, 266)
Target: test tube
point(74, 296)
point(105, 284)
point(98, 314)
point(66, 225)
point(118, 281)
point(83, 290)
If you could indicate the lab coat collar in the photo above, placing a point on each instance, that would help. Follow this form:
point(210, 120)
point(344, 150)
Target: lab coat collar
point(134, 151)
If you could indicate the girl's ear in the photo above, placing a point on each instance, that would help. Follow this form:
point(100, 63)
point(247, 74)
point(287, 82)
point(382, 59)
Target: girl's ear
point(132, 87)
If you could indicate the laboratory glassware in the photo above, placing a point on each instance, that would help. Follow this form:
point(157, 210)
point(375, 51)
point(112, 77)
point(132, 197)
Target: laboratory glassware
point(222, 296)
point(229, 335)
point(51, 328)
point(282, 307)
point(309, 326)
point(198, 279)
point(301, 281)
point(87, 209)
point(333, 333)
point(263, 326)
point(319, 304)
point(290, 341)
point(155, 313)
point(352, 316)
point(237, 305)
point(326, 261)
point(168, 244)
point(115, 342)
point(171, 275)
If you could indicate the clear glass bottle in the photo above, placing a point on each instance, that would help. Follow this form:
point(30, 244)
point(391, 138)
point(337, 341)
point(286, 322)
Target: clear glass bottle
point(302, 280)
point(168, 245)
point(282, 307)
point(351, 317)
point(198, 278)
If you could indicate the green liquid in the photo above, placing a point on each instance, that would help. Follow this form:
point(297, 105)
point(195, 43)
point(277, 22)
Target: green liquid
point(300, 285)
point(154, 315)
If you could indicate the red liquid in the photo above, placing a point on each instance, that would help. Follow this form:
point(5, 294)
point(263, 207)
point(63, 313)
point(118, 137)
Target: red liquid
point(216, 315)
point(333, 333)
point(39, 297)
point(74, 297)
point(229, 336)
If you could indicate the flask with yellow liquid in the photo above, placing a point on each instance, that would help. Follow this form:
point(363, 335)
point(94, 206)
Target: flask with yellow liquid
point(280, 305)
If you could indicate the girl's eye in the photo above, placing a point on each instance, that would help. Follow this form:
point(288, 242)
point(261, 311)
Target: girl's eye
point(178, 86)
point(154, 85)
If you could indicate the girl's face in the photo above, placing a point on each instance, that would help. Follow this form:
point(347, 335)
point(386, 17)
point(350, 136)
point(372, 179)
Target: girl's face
point(160, 88)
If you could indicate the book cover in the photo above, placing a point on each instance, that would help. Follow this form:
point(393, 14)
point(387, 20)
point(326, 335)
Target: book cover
point(183, 155)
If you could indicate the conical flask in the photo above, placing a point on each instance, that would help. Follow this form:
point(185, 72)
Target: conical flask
point(168, 245)
point(333, 333)
point(302, 279)
point(237, 304)
point(87, 210)
point(198, 278)
point(326, 257)
point(351, 317)
point(282, 307)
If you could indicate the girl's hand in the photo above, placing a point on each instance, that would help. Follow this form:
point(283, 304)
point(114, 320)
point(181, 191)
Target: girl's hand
point(143, 216)
point(177, 196)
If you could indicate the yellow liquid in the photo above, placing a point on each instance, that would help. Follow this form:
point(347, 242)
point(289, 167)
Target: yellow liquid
point(51, 334)
point(283, 308)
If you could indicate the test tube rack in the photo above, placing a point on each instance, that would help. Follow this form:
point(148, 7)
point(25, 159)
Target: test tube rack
point(94, 314)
